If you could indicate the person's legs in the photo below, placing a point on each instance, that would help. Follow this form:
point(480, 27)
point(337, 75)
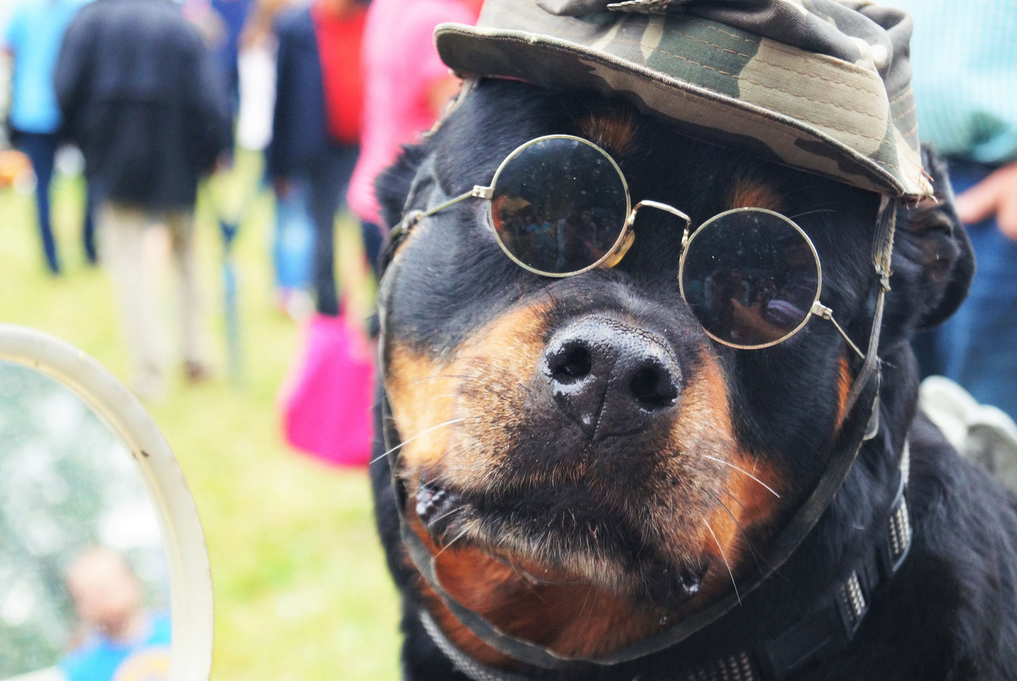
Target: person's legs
point(326, 180)
point(121, 234)
point(181, 228)
point(88, 228)
point(41, 150)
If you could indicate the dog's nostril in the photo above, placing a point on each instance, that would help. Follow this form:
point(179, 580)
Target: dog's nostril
point(653, 387)
point(572, 363)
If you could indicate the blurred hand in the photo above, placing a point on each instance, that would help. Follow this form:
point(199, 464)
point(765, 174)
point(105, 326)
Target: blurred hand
point(995, 195)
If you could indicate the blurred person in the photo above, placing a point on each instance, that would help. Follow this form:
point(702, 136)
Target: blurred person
point(221, 24)
point(406, 90)
point(233, 14)
point(316, 126)
point(33, 39)
point(965, 82)
point(121, 635)
point(142, 98)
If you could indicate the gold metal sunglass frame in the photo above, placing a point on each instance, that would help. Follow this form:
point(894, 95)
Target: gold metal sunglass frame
point(816, 308)
point(626, 236)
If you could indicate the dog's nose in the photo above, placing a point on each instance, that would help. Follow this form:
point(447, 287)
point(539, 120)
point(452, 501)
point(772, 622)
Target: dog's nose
point(611, 378)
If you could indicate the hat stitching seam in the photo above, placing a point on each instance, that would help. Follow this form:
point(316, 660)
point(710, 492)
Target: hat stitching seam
point(728, 33)
point(911, 109)
point(900, 95)
point(911, 174)
point(583, 34)
point(913, 130)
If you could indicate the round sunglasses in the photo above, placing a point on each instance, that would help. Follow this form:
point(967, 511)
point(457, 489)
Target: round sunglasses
point(559, 206)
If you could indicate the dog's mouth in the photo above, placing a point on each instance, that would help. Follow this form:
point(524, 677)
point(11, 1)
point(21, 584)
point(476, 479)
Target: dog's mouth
point(553, 544)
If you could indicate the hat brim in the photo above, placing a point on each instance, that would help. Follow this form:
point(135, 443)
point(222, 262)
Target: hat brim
point(693, 110)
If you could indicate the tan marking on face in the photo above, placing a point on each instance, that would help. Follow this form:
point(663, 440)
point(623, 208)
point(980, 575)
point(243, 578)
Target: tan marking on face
point(590, 609)
point(751, 192)
point(613, 132)
point(710, 473)
point(743, 505)
point(844, 383)
point(549, 608)
point(487, 375)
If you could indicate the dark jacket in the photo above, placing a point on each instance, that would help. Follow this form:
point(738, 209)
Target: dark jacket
point(299, 125)
point(142, 98)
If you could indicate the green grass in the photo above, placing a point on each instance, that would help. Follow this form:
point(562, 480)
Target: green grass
point(301, 589)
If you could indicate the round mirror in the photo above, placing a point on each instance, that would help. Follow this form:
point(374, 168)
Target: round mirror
point(103, 568)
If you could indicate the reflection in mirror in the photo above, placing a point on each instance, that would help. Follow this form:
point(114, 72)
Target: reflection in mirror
point(84, 590)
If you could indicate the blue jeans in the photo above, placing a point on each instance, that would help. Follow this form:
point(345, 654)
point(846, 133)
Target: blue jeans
point(40, 148)
point(327, 180)
point(977, 346)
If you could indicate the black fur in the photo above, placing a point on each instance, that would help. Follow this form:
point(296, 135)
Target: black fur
point(951, 613)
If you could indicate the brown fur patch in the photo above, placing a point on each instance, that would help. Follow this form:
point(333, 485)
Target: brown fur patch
point(571, 617)
point(424, 394)
point(752, 192)
point(844, 383)
point(585, 606)
point(612, 132)
point(746, 502)
point(719, 497)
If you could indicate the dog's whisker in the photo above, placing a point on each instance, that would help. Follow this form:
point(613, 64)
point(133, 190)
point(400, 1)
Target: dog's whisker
point(420, 434)
point(724, 557)
point(449, 545)
point(741, 530)
point(525, 581)
point(454, 510)
point(811, 212)
point(731, 465)
point(585, 601)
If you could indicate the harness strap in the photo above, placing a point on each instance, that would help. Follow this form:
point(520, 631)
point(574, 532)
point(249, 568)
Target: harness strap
point(882, 254)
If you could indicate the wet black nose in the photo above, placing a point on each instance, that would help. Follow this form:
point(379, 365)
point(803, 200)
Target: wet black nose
point(611, 378)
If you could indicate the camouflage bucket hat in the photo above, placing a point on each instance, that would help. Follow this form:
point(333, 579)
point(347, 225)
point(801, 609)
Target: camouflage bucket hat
point(818, 85)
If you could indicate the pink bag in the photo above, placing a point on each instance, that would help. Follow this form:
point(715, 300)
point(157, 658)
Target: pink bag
point(326, 400)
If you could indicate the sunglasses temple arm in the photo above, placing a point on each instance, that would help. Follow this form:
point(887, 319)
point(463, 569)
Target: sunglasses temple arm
point(413, 217)
point(478, 192)
point(823, 311)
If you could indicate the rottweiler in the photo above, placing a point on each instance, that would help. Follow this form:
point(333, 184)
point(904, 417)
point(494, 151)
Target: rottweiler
point(589, 461)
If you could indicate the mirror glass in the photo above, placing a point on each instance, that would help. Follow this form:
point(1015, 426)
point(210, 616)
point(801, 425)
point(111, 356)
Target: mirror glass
point(84, 587)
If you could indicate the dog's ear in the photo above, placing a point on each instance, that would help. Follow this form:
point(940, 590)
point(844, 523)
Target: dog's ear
point(946, 258)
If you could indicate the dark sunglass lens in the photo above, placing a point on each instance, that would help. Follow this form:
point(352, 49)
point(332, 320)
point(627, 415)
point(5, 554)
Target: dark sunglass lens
point(750, 277)
point(559, 205)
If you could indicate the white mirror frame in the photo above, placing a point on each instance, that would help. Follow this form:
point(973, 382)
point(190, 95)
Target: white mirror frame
point(191, 606)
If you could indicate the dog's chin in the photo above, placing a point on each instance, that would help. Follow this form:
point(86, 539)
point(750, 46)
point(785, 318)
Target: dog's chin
point(560, 545)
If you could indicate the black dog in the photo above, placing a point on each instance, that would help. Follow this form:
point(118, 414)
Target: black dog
point(585, 541)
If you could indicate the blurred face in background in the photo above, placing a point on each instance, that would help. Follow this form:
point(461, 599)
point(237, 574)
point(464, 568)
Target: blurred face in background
point(106, 593)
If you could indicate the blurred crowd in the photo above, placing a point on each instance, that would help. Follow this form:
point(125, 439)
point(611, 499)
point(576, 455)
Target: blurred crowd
point(156, 94)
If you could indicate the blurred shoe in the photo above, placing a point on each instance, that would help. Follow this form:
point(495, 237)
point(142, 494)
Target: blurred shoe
point(196, 372)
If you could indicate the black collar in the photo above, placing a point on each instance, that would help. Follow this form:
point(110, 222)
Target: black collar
point(827, 630)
